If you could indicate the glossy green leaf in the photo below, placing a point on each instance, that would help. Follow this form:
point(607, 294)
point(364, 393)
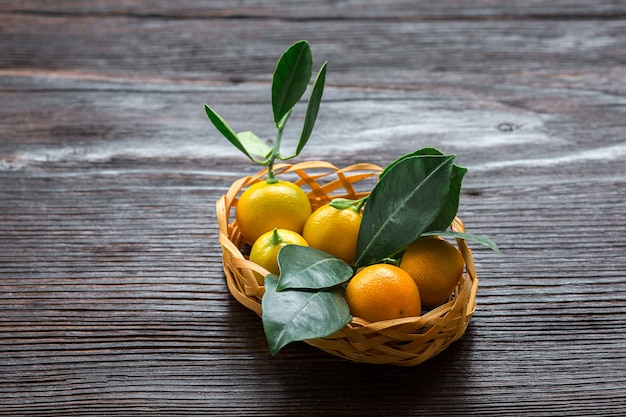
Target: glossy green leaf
point(406, 200)
point(466, 236)
point(312, 108)
point(451, 206)
point(224, 128)
point(302, 267)
point(253, 144)
point(291, 78)
point(293, 315)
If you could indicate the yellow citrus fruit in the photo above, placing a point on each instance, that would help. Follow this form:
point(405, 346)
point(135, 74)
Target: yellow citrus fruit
point(334, 231)
point(264, 206)
point(436, 266)
point(381, 292)
point(265, 250)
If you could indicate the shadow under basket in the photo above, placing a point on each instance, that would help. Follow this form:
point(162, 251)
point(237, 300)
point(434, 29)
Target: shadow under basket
point(404, 342)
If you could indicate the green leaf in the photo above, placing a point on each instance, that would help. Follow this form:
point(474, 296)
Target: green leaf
point(224, 128)
point(402, 205)
point(312, 108)
point(291, 78)
point(451, 205)
point(292, 315)
point(466, 236)
point(344, 203)
point(302, 267)
point(253, 144)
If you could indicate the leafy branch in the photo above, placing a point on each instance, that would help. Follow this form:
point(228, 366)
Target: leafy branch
point(292, 75)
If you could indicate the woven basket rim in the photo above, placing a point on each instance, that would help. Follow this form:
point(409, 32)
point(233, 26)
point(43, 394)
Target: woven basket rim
point(358, 337)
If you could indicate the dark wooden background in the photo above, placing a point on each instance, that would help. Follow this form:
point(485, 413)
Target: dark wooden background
point(112, 296)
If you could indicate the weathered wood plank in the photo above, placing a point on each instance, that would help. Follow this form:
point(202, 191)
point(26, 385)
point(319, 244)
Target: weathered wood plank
point(325, 9)
point(367, 54)
point(550, 135)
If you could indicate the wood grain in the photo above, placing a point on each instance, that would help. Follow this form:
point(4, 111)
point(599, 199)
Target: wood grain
point(112, 296)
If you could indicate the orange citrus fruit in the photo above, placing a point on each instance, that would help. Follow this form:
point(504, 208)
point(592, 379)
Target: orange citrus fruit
point(382, 292)
point(436, 266)
point(265, 250)
point(264, 206)
point(334, 231)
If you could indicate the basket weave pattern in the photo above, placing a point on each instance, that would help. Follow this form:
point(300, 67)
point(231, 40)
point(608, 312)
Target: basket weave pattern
point(404, 342)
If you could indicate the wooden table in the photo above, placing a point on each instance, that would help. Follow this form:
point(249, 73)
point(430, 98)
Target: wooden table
point(112, 294)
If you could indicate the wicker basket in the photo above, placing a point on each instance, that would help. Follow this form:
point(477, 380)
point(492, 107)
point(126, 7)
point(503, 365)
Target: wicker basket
point(404, 342)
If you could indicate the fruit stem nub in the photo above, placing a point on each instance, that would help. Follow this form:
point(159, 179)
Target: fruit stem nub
point(275, 239)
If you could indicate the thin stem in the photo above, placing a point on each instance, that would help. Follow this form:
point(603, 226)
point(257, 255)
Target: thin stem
point(271, 178)
point(392, 261)
point(360, 202)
